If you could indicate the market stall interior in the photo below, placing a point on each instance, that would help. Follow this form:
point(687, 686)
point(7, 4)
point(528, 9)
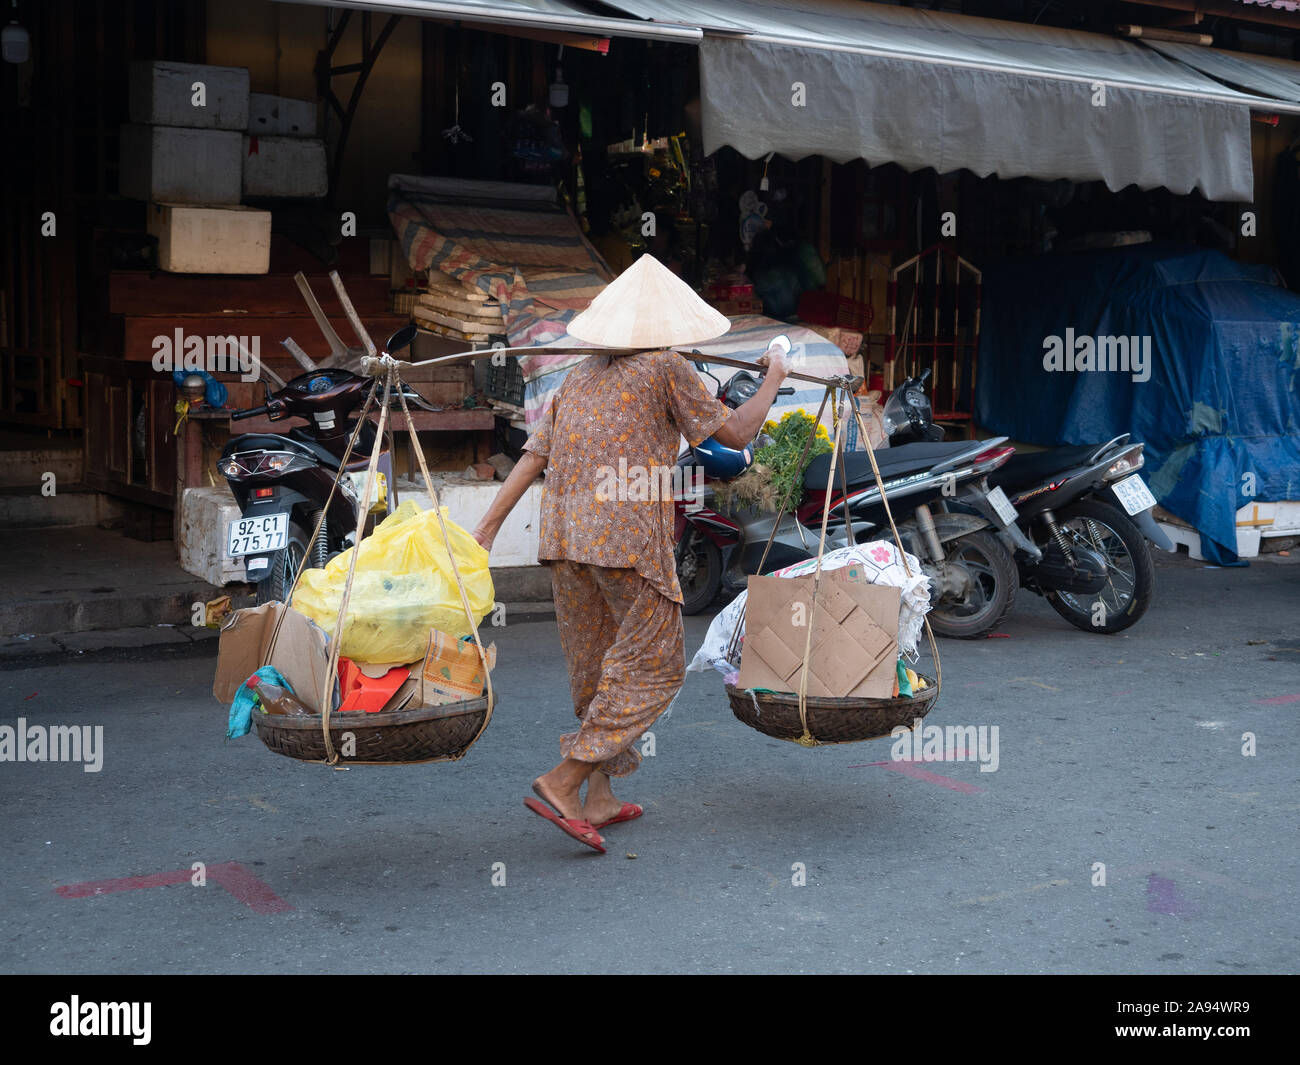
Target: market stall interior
point(483, 170)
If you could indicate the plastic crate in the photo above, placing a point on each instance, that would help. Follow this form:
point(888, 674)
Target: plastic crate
point(505, 382)
point(826, 308)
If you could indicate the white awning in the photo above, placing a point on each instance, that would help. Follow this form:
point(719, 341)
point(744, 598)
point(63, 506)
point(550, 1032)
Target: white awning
point(1264, 75)
point(931, 89)
point(557, 15)
point(922, 88)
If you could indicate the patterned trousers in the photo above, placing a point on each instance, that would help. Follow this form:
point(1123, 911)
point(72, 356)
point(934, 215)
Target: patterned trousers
point(625, 647)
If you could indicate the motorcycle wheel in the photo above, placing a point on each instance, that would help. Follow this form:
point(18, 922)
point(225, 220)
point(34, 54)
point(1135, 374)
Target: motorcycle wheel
point(275, 585)
point(994, 582)
point(699, 572)
point(1131, 586)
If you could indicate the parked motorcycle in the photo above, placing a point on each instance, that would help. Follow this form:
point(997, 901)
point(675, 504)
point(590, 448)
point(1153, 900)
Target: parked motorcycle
point(972, 573)
point(281, 481)
point(1089, 511)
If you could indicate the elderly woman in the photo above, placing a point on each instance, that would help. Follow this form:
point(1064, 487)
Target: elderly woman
point(612, 431)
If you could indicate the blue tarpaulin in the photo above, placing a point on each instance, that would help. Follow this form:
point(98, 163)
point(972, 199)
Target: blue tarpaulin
point(1202, 364)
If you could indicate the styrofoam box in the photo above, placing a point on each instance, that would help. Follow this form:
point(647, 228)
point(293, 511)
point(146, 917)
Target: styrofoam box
point(162, 93)
point(281, 116)
point(1255, 521)
point(211, 240)
point(167, 164)
point(201, 549)
point(291, 168)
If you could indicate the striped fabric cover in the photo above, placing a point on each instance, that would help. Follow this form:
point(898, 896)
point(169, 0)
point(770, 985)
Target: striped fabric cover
point(535, 260)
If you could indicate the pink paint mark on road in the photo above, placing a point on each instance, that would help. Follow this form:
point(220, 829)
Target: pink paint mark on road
point(232, 876)
point(125, 883)
point(910, 769)
point(1279, 700)
point(1162, 897)
point(247, 888)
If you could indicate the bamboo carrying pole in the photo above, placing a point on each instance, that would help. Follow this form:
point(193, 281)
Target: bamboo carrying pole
point(720, 360)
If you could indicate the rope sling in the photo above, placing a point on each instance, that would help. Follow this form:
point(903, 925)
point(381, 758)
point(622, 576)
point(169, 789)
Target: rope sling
point(386, 371)
point(846, 403)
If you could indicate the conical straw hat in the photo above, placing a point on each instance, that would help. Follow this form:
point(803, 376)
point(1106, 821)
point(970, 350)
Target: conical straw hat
point(648, 306)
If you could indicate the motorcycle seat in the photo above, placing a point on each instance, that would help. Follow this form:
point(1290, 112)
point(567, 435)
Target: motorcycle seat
point(1026, 469)
point(893, 462)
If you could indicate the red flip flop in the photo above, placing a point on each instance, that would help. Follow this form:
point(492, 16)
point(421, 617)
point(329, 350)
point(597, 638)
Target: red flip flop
point(579, 829)
point(630, 812)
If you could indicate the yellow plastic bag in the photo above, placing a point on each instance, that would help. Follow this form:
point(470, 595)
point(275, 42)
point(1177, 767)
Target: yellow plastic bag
point(403, 587)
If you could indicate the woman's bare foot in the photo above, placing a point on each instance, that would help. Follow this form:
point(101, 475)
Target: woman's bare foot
point(600, 804)
point(562, 785)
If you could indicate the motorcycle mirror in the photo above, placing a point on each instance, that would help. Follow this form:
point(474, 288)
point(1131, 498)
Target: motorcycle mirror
point(703, 367)
point(401, 339)
point(781, 341)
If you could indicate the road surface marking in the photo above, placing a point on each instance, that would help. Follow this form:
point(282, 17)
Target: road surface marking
point(232, 876)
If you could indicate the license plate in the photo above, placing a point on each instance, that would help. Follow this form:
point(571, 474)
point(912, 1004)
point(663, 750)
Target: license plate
point(1003, 507)
point(1133, 494)
point(253, 536)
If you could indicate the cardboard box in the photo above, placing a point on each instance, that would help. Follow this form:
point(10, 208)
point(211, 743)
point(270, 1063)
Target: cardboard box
point(300, 653)
point(281, 116)
point(162, 93)
point(450, 673)
point(167, 164)
point(287, 168)
point(854, 636)
point(211, 240)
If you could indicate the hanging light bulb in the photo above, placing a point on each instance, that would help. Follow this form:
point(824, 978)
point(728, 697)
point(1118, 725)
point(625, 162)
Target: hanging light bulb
point(15, 42)
point(559, 91)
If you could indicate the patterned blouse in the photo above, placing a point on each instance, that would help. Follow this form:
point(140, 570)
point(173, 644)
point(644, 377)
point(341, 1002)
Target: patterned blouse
point(610, 440)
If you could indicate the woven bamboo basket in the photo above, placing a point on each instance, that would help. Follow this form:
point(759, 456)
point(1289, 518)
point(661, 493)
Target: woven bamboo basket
point(776, 714)
point(812, 720)
point(428, 734)
point(399, 737)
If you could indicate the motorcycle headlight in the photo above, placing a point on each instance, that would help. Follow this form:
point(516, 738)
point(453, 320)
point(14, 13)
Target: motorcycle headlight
point(1129, 462)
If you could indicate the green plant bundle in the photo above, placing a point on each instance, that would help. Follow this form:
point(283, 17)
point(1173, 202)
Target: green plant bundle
point(775, 479)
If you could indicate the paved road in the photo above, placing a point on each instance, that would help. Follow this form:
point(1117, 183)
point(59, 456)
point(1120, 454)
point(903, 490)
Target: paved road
point(1123, 750)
